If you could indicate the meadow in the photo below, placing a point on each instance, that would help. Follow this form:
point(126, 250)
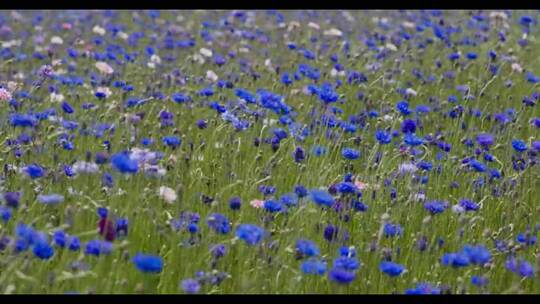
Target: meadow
point(275, 152)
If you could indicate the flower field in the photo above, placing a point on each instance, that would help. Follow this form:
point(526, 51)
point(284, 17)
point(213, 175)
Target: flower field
point(274, 152)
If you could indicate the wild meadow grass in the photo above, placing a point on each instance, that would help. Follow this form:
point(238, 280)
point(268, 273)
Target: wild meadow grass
point(491, 88)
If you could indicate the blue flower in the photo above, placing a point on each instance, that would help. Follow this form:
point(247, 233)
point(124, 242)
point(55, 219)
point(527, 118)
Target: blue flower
point(391, 269)
point(455, 260)
point(383, 137)
point(408, 126)
point(148, 263)
point(235, 203)
point(97, 247)
point(523, 268)
point(485, 140)
point(477, 254)
point(318, 150)
point(351, 154)
point(12, 199)
point(22, 120)
point(468, 205)
point(412, 140)
point(479, 281)
point(347, 187)
point(313, 266)
point(273, 206)
point(67, 108)
point(306, 248)
point(341, 276)
point(251, 234)
point(190, 286)
point(123, 163)
point(423, 289)
point(34, 171)
point(403, 107)
point(435, 207)
point(43, 250)
point(172, 141)
point(478, 166)
point(219, 223)
point(59, 237)
point(519, 145)
point(391, 230)
point(321, 197)
point(347, 263)
point(5, 213)
point(50, 199)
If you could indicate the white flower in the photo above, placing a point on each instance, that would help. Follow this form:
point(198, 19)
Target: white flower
point(104, 67)
point(57, 97)
point(516, 67)
point(155, 59)
point(410, 91)
point(314, 26)
point(168, 194)
point(333, 32)
point(205, 52)
point(458, 209)
point(388, 117)
point(408, 24)
point(85, 167)
point(391, 47)
point(123, 36)
point(57, 40)
point(99, 30)
point(5, 95)
point(104, 90)
point(407, 168)
point(212, 76)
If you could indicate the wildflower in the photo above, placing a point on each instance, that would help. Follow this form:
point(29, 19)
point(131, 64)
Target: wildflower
point(521, 267)
point(391, 269)
point(485, 140)
point(219, 223)
point(313, 266)
point(148, 263)
point(423, 289)
point(235, 203)
point(468, 205)
point(12, 199)
point(479, 281)
point(97, 247)
point(5, 95)
point(519, 145)
point(408, 126)
point(251, 234)
point(191, 286)
point(256, 203)
point(34, 171)
point(172, 141)
point(50, 199)
point(321, 198)
point(43, 250)
point(391, 230)
point(350, 154)
point(435, 207)
point(341, 276)
point(273, 206)
point(346, 263)
point(477, 254)
point(306, 248)
point(123, 163)
point(383, 137)
point(455, 260)
point(104, 67)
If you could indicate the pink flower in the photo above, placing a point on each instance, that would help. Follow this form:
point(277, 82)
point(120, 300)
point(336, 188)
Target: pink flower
point(256, 203)
point(360, 185)
point(5, 95)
